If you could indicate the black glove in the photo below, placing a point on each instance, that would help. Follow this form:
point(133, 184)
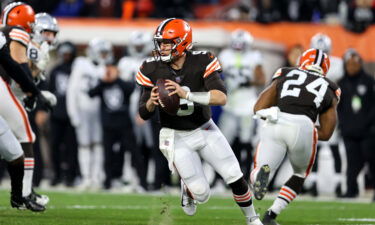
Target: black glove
point(45, 99)
point(30, 102)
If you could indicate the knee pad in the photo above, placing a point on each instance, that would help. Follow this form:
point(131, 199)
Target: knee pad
point(200, 190)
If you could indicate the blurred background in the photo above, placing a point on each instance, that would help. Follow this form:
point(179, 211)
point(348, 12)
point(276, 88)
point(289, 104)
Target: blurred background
point(268, 33)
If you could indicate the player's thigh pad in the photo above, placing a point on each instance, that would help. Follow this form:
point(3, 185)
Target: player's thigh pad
point(270, 150)
point(218, 153)
point(13, 112)
point(189, 165)
point(302, 151)
point(10, 148)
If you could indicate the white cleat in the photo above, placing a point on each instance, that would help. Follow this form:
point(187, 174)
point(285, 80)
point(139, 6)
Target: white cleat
point(188, 204)
point(254, 221)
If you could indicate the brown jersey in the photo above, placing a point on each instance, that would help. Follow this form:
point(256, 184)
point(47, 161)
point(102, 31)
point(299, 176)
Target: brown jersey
point(199, 73)
point(13, 33)
point(304, 92)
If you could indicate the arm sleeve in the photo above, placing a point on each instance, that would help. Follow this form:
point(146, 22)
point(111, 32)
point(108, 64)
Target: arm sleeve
point(20, 73)
point(214, 82)
point(143, 112)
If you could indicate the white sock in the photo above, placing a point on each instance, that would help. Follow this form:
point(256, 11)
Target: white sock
point(286, 196)
point(84, 157)
point(28, 176)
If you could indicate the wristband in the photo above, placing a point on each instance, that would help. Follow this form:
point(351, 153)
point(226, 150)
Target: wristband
point(199, 97)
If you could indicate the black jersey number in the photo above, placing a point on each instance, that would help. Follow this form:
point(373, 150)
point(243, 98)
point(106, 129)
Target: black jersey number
point(318, 87)
point(186, 106)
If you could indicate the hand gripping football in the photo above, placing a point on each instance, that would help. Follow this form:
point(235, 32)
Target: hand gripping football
point(170, 104)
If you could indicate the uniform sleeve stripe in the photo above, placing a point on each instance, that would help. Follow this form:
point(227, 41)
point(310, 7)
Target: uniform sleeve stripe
point(20, 39)
point(277, 74)
point(20, 32)
point(144, 79)
point(213, 66)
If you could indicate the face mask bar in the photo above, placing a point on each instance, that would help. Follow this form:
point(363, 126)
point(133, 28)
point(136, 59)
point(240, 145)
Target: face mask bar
point(166, 58)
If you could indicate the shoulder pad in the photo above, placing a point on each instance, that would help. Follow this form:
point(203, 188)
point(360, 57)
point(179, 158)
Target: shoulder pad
point(209, 60)
point(279, 72)
point(20, 35)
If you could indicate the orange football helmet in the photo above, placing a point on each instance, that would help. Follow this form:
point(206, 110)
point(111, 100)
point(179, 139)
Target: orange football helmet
point(315, 60)
point(19, 14)
point(176, 31)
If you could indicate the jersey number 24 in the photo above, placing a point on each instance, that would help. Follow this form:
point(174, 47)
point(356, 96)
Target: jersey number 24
point(317, 87)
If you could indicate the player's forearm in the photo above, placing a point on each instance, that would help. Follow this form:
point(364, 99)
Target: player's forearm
point(324, 134)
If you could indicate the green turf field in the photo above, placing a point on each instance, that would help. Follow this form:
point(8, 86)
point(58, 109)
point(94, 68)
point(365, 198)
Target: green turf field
point(123, 209)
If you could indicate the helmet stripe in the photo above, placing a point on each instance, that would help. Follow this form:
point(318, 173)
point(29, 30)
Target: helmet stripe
point(319, 57)
point(162, 25)
point(7, 9)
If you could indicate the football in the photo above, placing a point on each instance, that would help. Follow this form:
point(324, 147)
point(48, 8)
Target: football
point(170, 104)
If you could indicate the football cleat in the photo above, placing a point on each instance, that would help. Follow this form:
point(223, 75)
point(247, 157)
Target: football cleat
point(188, 204)
point(269, 218)
point(254, 221)
point(26, 203)
point(38, 198)
point(261, 181)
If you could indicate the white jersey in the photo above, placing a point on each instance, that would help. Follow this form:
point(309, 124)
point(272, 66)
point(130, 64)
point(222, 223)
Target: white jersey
point(238, 69)
point(336, 70)
point(85, 75)
point(39, 56)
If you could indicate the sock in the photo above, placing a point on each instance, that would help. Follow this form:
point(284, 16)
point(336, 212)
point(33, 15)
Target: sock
point(243, 197)
point(28, 176)
point(84, 156)
point(287, 193)
point(16, 173)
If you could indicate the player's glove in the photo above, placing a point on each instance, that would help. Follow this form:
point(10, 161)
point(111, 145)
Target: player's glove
point(46, 100)
point(269, 114)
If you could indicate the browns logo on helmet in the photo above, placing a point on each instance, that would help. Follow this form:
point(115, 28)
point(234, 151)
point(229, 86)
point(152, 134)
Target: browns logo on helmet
point(175, 31)
point(315, 60)
point(19, 14)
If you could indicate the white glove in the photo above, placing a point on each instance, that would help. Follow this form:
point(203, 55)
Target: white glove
point(51, 98)
point(269, 114)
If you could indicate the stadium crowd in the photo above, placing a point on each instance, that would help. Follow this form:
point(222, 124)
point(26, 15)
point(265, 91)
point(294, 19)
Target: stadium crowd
point(95, 130)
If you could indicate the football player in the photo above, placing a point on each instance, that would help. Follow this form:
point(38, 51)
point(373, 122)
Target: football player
point(84, 112)
point(244, 76)
point(18, 19)
point(335, 73)
point(191, 134)
point(10, 148)
point(290, 106)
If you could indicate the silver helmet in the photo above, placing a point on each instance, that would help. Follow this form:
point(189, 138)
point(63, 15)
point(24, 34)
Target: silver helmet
point(140, 44)
point(45, 22)
point(322, 42)
point(241, 40)
point(100, 51)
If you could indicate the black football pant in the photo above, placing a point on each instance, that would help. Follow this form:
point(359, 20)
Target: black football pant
point(358, 152)
point(64, 151)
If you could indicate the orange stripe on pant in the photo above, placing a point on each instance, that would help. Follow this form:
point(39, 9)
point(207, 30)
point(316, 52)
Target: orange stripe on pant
point(23, 114)
point(312, 157)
